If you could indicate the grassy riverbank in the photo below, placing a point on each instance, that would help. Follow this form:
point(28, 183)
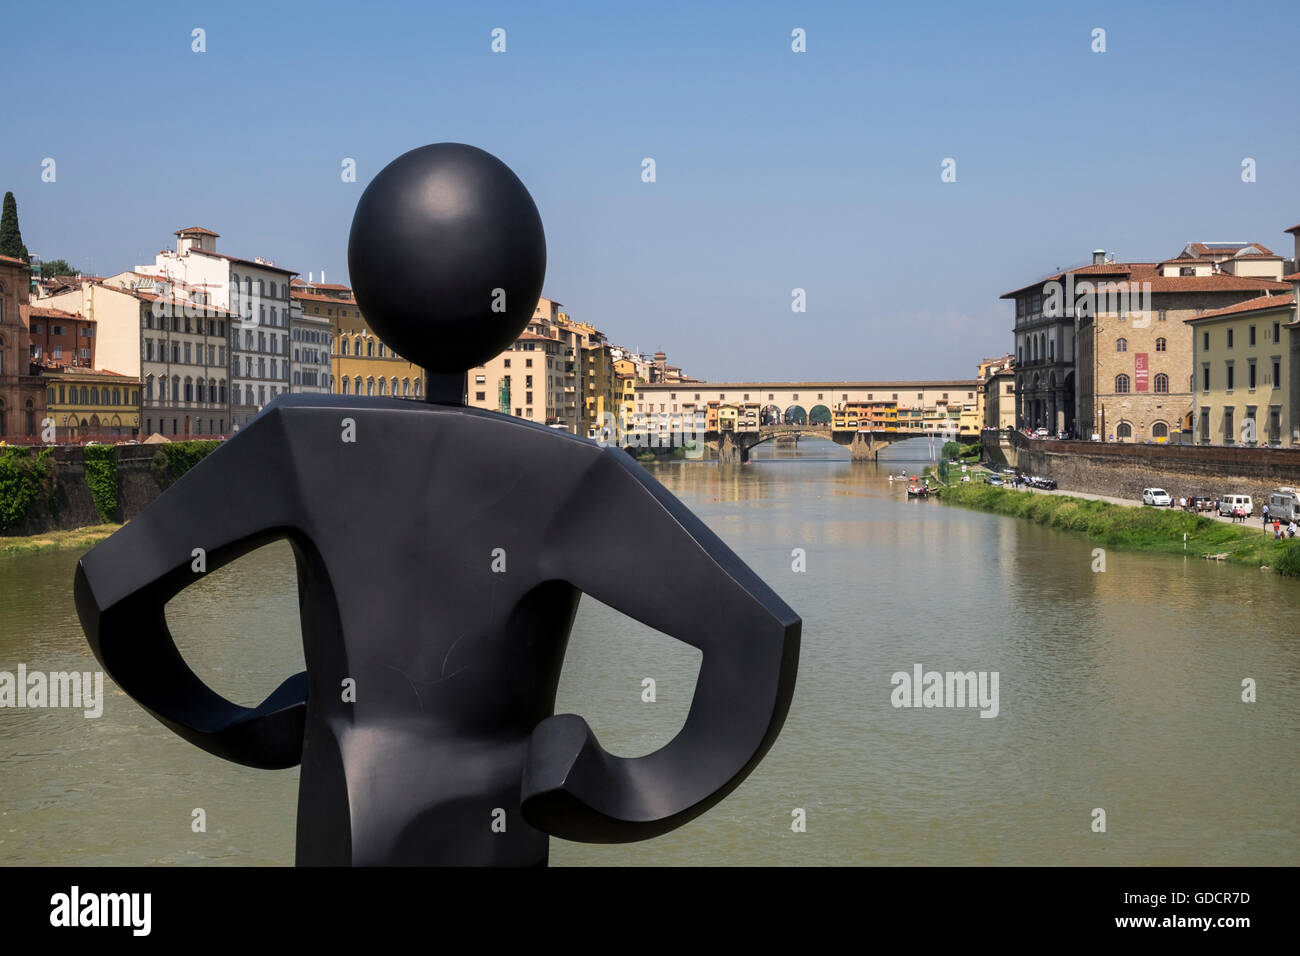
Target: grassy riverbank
point(1159, 530)
point(83, 538)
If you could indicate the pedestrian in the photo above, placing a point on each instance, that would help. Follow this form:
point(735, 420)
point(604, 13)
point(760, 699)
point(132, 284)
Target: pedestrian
point(1277, 530)
point(1264, 515)
point(1290, 529)
point(1216, 506)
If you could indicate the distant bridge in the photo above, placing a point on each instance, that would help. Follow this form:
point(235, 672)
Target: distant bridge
point(735, 445)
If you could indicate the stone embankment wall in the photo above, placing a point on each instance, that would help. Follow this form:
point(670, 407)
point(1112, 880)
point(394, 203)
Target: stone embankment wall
point(75, 507)
point(1123, 470)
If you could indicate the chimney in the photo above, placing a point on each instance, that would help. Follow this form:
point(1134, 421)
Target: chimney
point(1098, 257)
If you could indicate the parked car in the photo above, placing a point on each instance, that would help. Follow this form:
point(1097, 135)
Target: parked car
point(1041, 433)
point(1047, 484)
point(1200, 503)
point(1229, 503)
point(994, 480)
point(1284, 504)
point(1156, 496)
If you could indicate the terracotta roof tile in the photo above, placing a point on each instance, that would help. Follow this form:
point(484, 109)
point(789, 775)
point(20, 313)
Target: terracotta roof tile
point(198, 229)
point(1263, 302)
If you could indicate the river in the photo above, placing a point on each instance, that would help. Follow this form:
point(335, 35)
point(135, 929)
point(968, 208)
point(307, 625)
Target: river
point(1118, 690)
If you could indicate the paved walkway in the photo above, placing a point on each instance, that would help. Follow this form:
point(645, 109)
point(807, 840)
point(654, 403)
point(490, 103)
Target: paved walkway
point(1255, 521)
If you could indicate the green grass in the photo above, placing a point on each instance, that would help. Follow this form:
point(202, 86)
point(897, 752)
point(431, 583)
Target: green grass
point(77, 538)
point(1157, 530)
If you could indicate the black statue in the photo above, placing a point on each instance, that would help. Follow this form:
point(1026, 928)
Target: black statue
point(441, 553)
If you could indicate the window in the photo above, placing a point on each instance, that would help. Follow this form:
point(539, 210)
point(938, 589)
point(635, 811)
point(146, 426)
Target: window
point(1123, 430)
point(1162, 345)
point(1277, 373)
point(1205, 340)
point(1121, 383)
point(1250, 375)
point(1277, 332)
point(1252, 335)
point(480, 396)
point(1229, 338)
point(1162, 383)
point(1161, 314)
point(1159, 430)
point(1121, 345)
point(1230, 376)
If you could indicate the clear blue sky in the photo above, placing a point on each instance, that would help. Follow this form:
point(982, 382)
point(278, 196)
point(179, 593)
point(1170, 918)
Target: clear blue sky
point(775, 170)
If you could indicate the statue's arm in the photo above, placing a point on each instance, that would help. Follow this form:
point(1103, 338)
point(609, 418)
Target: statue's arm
point(234, 500)
point(628, 543)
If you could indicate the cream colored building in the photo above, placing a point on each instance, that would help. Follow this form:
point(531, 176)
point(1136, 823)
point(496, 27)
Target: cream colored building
point(1247, 357)
point(148, 329)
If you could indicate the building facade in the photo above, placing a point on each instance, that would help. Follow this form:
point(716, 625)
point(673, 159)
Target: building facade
point(148, 330)
point(1103, 350)
point(22, 395)
point(257, 292)
point(92, 404)
point(1247, 360)
point(360, 364)
point(312, 338)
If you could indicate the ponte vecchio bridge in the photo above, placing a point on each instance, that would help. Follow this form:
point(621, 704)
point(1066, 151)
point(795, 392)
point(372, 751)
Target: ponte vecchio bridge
point(864, 416)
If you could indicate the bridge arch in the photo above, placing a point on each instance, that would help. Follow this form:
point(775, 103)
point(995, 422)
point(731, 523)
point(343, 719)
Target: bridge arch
point(770, 415)
point(820, 415)
point(796, 415)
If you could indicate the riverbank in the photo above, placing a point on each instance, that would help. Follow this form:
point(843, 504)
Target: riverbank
point(1159, 530)
point(83, 538)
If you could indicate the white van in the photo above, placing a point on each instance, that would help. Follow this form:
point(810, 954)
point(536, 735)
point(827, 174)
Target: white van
point(1284, 504)
point(1229, 502)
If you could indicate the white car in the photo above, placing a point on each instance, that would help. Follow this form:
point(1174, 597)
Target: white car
point(1156, 496)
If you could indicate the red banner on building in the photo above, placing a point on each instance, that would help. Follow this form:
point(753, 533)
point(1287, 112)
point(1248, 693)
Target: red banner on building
point(1140, 374)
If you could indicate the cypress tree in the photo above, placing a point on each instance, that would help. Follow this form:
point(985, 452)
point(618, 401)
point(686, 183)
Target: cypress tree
point(11, 238)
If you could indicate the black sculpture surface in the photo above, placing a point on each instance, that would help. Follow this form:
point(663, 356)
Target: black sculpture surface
point(441, 554)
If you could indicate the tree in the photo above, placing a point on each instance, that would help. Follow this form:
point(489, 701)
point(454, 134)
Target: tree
point(11, 238)
point(57, 267)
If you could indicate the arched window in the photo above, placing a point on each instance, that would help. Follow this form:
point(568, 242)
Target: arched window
point(273, 296)
point(343, 346)
point(356, 386)
point(261, 287)
point(406, 388)
point(1123, 430)
point(1162, 382)
point(417, 387)
point(176, 388)
point(1159, 430)
point(346, 380)
point(382, 386)
point(382, 351)
point(1121, 345)
point(370, 348)
point(370, 386)
point(1121, 383)
point(1162, 345)
point(148, 388)
point(1020, 355)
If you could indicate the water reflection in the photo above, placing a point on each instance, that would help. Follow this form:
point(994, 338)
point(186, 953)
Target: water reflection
point(1119, 690)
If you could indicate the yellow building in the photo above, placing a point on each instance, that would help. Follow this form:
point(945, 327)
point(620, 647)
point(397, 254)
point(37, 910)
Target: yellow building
point(91, 404)
point(1244, 388)
point(360, 363)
